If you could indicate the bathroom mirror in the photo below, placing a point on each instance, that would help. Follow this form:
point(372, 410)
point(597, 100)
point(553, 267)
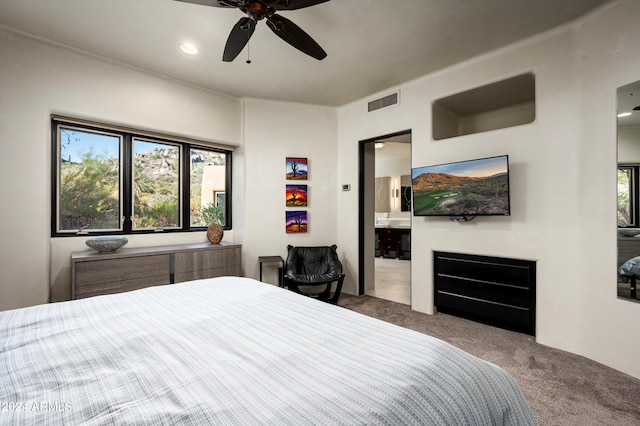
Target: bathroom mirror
point(628, 231)
point(383, 195)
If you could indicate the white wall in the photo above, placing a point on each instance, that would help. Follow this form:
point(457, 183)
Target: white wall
point(562, 178)
point(37, 80)
point(272, 132)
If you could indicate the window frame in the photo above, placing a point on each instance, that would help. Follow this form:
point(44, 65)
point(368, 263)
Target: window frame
point(128, 135)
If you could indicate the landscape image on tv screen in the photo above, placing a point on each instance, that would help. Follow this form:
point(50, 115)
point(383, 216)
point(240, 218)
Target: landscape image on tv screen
point(474, 187)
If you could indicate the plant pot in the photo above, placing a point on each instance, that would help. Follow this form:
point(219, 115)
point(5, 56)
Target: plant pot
point(215, 233)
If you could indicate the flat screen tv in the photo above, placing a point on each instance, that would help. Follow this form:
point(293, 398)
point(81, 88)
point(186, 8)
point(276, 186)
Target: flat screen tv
point(466, 188)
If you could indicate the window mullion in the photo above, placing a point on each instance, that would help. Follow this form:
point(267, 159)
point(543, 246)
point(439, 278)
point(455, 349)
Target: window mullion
point(186, 187)
point(127, 187)
point(634, 191)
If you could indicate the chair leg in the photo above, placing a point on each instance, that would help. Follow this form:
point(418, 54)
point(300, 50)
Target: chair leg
point(336, 294)
point(324, 294)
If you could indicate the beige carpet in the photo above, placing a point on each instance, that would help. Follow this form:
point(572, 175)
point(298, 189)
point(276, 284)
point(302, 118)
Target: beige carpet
point(562, 388)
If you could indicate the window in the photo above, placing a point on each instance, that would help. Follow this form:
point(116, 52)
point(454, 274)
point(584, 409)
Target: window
point(208, 187)
point(628, 184)
point(156, 184)
point(110, 180)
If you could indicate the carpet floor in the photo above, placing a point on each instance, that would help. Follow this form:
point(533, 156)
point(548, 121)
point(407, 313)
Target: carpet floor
point(562, 388)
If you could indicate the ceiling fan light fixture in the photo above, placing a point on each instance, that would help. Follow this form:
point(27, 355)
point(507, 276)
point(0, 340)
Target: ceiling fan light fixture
point(189, 48)
point(257, 10)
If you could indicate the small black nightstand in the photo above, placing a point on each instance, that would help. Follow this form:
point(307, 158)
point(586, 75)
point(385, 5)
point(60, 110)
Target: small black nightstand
point(272, 259)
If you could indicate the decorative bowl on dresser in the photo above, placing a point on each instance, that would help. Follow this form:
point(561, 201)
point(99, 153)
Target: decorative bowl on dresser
point(628, 232)
point(106, 244)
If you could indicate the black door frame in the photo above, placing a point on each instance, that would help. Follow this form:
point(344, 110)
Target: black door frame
point(361, 206)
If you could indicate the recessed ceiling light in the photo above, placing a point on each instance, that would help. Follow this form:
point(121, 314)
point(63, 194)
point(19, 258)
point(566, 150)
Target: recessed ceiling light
point(624, 114)
point(189, 48)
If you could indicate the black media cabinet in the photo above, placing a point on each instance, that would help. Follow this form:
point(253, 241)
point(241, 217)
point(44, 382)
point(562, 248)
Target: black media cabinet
point(493, 290)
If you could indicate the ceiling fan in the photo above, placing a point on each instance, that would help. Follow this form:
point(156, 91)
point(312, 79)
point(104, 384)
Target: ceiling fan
point(257, 10)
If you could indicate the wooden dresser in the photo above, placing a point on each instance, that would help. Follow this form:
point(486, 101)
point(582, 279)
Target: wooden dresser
point(94, 273)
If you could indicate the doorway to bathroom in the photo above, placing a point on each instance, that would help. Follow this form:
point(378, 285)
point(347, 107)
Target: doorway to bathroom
point(385, 217)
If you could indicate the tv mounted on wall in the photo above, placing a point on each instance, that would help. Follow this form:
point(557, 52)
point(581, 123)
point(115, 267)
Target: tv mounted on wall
point(477, 187)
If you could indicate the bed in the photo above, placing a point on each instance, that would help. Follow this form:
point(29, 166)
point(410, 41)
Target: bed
point(237, 351)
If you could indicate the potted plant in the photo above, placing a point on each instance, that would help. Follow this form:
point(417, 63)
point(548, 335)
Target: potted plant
point(214, 216)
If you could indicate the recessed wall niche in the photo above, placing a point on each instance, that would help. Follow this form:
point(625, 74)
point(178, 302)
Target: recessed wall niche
point(506, 103)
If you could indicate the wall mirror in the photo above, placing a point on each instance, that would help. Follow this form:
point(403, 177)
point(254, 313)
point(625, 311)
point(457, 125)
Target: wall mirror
point(628, 230)
point(383, 195)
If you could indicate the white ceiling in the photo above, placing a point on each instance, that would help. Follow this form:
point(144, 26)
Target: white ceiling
point(394, 150)
point(394, 146)
point(372, 45)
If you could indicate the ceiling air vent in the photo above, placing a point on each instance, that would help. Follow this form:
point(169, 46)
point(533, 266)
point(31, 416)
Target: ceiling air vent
point(384, 102)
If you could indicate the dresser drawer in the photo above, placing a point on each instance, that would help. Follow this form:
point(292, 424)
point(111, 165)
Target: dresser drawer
point(114, 270)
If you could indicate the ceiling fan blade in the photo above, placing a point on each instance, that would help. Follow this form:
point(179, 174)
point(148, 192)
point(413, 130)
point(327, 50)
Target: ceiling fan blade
point(295, 4)
point(238, 38)
point(216, 3)
point(295, 36)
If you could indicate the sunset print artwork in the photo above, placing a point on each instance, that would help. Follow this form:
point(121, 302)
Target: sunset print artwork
point(296, 221)
point(296, 195)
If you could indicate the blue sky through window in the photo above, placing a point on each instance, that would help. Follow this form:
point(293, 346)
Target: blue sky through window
point(75, 143)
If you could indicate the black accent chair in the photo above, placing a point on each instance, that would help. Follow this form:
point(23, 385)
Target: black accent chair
point(312, 267)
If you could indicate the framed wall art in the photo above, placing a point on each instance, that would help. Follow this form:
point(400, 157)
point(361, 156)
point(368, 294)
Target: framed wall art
point(296, 168)
point(296, 196)
point(296, 221)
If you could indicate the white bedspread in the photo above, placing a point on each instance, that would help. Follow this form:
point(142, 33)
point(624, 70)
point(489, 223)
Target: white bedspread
point(236, 351)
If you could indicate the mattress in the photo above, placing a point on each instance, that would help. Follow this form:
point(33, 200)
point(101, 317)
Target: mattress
point(235, 351)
